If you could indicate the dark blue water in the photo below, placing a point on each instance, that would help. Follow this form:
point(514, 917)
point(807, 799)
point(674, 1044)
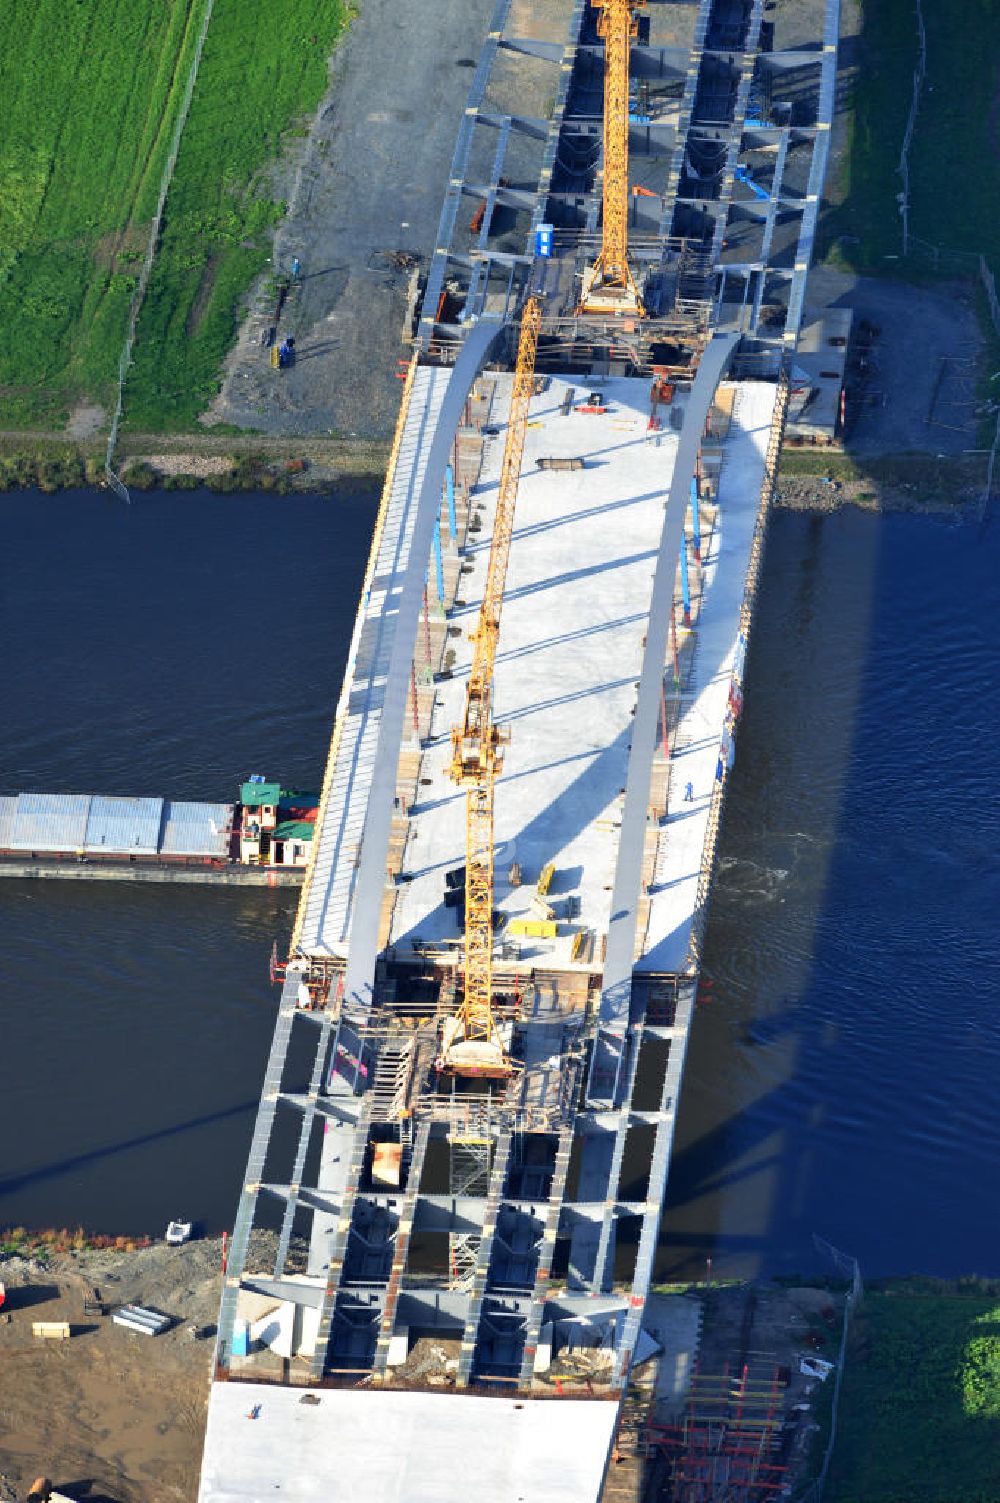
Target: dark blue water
point(843, 1068)
point(843, 1072)
point(168, 648)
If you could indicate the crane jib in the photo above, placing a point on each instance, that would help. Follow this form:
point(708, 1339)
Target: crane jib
point(477, 755)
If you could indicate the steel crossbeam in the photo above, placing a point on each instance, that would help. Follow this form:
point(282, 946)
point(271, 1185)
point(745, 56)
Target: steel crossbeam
point(401, 1250)
point(305, 1132)
point(557, 1191)
point(255, 1166)
point(338, 1252)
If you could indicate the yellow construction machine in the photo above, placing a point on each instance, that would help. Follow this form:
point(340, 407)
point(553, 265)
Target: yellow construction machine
point(609, 286)
point(471, 1043)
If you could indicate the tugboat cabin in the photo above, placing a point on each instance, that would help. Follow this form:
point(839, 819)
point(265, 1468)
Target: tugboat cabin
point(276, 824)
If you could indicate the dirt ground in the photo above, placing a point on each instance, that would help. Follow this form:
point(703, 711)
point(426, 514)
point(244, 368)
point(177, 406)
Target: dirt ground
point(769, 1329)
point(370, 184)
point(110, 1414)
point(913, 382)
point(115, 1417)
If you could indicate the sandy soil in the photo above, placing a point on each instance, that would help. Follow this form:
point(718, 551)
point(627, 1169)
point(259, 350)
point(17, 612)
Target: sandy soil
point(187, 464)
point(115, 1417)
point(107, 1415)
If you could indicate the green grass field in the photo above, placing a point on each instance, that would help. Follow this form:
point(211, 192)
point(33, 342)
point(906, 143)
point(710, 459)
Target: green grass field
point(955, 156)
point(264, 67)
point(920, 1407)
point(90, 90)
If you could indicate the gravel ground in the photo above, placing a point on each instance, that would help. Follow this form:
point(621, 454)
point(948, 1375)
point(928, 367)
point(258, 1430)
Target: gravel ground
point(371, 183)
point(917, 391)
point(818, 494)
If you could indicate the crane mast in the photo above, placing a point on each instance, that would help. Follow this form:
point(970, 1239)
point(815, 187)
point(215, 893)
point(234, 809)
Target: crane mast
point(470, 1041)
point(608, 285)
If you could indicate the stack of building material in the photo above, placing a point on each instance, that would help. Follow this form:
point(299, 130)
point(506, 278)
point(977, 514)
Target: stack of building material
point(139, 1318)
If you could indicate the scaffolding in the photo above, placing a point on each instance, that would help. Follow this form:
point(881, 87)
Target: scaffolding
point(469, 1175)
point(727, 1447)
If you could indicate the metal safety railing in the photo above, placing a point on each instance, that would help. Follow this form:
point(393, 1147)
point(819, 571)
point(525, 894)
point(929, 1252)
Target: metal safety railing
point(341, 715)
point(771, 459)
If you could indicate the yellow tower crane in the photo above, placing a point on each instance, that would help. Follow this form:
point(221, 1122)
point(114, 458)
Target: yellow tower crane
point(470, 1040)
point(609, 286)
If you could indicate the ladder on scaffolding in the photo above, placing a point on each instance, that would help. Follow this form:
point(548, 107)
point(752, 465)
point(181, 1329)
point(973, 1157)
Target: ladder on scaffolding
point(480, 1276)
point(392, 1073)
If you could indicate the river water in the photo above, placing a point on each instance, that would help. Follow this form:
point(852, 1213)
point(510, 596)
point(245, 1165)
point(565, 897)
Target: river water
point(171, 647)
point(841, 1077)
point(843, 1068)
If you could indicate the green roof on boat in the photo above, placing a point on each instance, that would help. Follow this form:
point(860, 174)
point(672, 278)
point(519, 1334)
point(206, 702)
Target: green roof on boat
point(252, 795)
point(294, 829)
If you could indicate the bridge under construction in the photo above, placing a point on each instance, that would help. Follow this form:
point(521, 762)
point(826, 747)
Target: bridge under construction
point(439, 1272)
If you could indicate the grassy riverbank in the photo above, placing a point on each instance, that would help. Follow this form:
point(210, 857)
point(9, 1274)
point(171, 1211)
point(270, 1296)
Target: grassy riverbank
point(825, 479)
point(221, 462)
point(263, 73)
point(920, 1406)
point(91, 93)
point(955, 155)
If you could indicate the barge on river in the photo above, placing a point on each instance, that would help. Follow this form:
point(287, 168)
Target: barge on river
point(262, 839)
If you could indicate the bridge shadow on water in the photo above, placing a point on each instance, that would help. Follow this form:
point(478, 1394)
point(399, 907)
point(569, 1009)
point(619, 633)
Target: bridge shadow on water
point(12, 1183)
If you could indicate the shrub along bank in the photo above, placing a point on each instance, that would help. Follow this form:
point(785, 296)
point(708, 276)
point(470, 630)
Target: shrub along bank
point(920, 1405)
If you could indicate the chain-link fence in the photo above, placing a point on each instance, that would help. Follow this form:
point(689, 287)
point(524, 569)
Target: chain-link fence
point(937, 258)
point(849, 1268)
point(993, 303)
point(904, 155)
point(125, 360)
point(940, 259)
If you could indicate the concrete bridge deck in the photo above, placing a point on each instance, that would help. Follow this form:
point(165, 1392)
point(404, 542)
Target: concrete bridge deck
point(436, 1235)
